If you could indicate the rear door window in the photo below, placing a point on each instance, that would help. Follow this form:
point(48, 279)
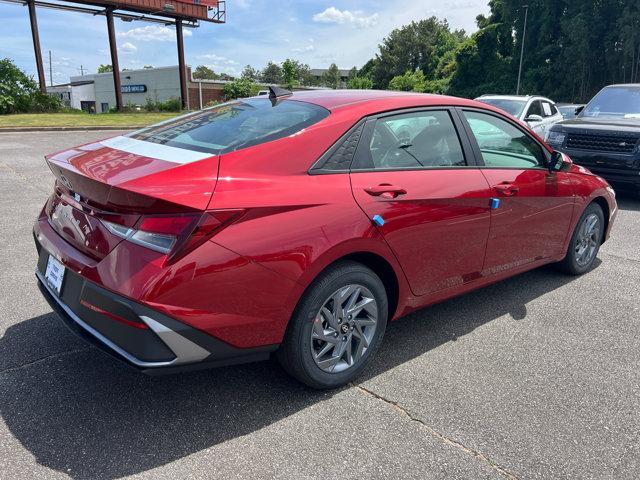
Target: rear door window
point(413, 141)
point(234, 125)
point(534, 109)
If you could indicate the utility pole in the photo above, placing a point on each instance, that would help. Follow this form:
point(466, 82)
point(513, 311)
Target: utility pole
point(50, 70)
point(36, 45)
point(524, 33)
point(81, 70)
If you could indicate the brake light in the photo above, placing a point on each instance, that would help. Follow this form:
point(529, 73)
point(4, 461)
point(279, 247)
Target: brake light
point(174, 235)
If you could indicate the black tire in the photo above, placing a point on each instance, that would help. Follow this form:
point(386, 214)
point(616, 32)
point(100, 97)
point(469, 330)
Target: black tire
point(570, 263)
point(296, 355)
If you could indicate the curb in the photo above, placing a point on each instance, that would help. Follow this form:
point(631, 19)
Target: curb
point(69, 129)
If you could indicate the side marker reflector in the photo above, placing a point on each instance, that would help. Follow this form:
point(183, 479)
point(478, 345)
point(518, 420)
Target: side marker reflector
point(378, 220)
point(495, 203)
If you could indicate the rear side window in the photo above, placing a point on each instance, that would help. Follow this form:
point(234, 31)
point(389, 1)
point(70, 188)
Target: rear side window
point(414, 140)
point(535, 109)
point(234, 125)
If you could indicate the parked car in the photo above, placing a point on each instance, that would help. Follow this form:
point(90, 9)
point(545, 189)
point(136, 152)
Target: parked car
point(301, 224)
point(538, 112)
point(569, 110)
point(605, 136)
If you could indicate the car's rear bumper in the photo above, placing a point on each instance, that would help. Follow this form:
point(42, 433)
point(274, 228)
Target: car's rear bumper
point(158, 344)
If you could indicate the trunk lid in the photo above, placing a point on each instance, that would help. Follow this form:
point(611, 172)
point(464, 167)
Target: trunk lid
point(120, 179)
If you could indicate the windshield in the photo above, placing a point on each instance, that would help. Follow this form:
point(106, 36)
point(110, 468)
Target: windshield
point(615, 102)
point(234, 125)
point(514, 107)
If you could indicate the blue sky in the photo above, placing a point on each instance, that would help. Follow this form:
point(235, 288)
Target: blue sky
point(315, 32)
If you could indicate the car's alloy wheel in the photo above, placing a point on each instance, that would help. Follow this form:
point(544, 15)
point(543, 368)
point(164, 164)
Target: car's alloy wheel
point(585, 241)
point(344, 328)
point(337, 326)
point(588, 240)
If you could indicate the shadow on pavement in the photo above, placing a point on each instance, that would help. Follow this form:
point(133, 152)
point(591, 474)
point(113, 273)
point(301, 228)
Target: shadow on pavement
point(88, 416)
point(628, 202)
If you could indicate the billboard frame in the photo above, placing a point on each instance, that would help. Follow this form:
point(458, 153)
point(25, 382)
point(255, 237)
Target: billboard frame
point(99, 7)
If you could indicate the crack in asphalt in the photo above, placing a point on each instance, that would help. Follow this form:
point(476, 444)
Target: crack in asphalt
point(43, 359)
point(621, 257)
point(434, 433)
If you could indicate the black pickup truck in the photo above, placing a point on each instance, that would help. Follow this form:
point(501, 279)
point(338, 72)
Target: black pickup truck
point(605, 136)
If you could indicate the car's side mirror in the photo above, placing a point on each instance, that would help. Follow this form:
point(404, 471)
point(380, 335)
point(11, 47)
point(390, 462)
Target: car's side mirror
point(560, 162)
point(579, 109)
point(533, 118)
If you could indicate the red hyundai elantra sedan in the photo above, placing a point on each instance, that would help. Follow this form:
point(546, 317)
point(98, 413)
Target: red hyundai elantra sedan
point(299, 224)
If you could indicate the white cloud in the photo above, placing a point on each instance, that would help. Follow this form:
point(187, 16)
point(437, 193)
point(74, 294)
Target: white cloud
point(355, 18)
point(212, 57)
point(219, 63)
point(152, 33)
point(309, 47)
point(128, 47)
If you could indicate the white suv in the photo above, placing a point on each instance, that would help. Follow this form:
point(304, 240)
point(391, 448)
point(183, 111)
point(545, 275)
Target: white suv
point(538, 112)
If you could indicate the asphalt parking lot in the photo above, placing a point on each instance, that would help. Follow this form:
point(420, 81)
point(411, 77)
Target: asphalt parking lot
point(535, 377)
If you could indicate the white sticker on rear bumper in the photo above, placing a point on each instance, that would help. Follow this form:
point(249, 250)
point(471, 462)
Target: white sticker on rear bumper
point(154, 150)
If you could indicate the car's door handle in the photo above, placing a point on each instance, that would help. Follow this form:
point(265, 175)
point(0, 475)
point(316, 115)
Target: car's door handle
point(507, 189)
point(386, 190)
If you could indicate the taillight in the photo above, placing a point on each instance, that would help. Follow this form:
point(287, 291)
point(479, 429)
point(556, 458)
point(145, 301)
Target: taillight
point(174, 235)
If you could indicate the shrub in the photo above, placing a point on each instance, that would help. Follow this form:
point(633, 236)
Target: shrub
point(19, 93)
point(409, 82)
point(240, 88)
point(171, 105)
point(360, 83)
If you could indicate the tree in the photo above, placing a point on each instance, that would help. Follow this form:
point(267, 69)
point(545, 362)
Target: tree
point(271, 74)
point(250, 73)
point(202, 72)
point(240, 88)
point(409, 82)
point(360, 83)
point(148, 67)
point(331, 78)
point(289, 73)
point(105, 68)
point(20, 93)
point(353, 73)
point(417, 46)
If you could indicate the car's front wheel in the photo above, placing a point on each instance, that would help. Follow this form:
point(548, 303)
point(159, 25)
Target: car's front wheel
point(585, 242)
point(337, 326)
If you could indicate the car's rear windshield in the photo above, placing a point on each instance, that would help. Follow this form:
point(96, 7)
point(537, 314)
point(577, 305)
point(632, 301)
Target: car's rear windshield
point(514, 107)
point(234, 125)
point(615, 102)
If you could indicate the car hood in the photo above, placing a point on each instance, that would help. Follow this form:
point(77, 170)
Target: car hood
point(600, 124)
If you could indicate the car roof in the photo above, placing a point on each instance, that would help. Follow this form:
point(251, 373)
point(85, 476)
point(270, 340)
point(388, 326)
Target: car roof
point(373, 101)
point(516, 97)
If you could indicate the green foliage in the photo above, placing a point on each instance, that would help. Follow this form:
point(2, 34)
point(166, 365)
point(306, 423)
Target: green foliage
point(202, 72)
point(240, 88)
point(420, 46)
point(272, 74)
point(170, 105)
point(571, 50)
point(360, 83)
point(19, 93)
point(289, 74)
point(331, 78)
point(105, 68)
point(409, 82)
point(250, 73)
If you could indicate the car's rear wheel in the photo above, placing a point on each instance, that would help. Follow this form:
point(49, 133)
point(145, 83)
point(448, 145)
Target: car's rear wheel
point(585, 242)
point(337, 327)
